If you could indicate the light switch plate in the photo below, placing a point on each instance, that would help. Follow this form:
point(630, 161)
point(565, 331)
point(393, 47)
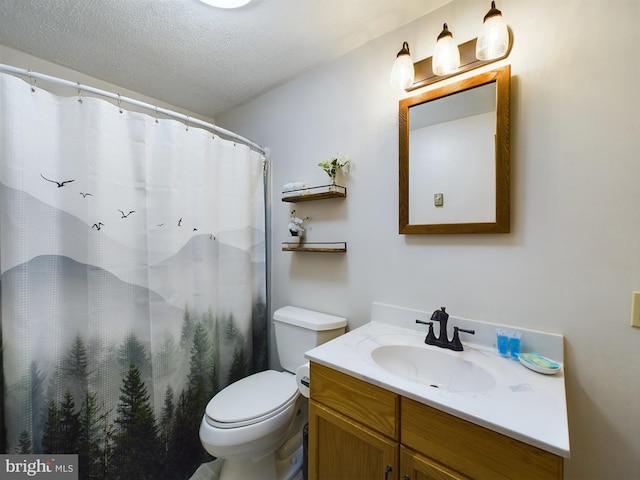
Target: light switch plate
point(438, 199)
point(635, 310)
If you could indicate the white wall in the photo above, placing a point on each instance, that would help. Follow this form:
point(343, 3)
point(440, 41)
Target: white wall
point(573, 257)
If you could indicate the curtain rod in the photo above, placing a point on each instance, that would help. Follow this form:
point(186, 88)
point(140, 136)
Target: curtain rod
point(119, 98)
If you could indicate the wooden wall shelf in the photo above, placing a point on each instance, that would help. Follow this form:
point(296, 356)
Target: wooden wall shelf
point(320, 247)
point(314, 193)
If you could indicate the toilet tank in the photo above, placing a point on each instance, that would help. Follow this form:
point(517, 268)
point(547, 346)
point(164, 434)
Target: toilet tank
point(299, 330)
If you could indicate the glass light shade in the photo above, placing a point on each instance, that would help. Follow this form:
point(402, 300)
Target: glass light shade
point(226, 3)
point(402, 72)
point(493, 41)
point(446, 56)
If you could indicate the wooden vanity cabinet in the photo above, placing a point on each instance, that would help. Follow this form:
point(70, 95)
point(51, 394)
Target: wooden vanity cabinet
point(360, 431)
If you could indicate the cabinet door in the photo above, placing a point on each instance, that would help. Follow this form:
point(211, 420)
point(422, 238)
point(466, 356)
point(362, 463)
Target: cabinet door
point(414, 466)
point(473, 450)
point(341, 449)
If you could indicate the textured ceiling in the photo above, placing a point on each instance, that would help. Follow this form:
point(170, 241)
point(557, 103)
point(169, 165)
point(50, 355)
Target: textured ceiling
point(193, 56)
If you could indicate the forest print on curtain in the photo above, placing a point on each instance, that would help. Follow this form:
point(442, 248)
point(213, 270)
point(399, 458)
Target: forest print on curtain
point(132, 260)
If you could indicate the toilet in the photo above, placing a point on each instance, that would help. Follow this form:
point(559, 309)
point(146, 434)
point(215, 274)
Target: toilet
point(255, 424)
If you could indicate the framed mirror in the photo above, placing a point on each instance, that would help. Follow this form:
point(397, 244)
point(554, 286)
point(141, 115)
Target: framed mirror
point(454, 157)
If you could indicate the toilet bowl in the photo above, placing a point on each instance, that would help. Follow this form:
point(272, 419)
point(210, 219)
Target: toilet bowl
point(251, 417)
point(255, 424)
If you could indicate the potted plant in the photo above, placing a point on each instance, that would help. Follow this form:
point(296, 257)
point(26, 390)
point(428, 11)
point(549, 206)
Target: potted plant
point(296, 228)
point(334, 164)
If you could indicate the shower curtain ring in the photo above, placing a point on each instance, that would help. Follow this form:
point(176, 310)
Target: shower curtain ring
point(79, 93)
point(157, 114)
point(119, 104)
point(186, 123)
point(32, 81)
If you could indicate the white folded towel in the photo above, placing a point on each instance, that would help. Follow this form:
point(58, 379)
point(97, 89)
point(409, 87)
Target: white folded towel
point(288, 187)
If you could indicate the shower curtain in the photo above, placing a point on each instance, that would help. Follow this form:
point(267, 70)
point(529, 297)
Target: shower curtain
point(132, 287)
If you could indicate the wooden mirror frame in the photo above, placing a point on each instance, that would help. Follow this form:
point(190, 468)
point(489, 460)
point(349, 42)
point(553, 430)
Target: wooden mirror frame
point(502, 77)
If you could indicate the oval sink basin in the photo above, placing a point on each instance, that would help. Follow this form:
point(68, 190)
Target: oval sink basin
point(434, 367)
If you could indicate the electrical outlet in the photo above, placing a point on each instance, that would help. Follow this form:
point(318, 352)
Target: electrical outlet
point(635, 309)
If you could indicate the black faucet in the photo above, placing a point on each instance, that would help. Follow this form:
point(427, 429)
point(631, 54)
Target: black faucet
point(442, 340)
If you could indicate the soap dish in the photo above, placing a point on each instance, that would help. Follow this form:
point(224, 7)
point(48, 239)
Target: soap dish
point(538, 363)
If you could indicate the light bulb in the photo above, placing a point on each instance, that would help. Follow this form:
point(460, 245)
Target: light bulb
point(493, 41)
point(446, 56)
point(402, 72)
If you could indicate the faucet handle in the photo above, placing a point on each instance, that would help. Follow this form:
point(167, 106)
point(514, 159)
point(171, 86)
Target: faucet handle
point(431, 336)
point(456, 344)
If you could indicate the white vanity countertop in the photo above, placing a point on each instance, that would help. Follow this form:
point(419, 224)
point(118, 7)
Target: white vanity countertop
point(525, 405)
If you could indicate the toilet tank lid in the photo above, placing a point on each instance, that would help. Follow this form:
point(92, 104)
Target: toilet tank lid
point(309, 319)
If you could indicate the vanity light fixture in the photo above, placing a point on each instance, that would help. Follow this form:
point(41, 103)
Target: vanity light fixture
point(446, 56)
point(449, 59)
point(493, 41)
point(402, 72)
point(226, 3)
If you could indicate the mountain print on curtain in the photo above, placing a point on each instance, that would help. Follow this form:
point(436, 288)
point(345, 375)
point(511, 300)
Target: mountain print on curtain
point(132, 286)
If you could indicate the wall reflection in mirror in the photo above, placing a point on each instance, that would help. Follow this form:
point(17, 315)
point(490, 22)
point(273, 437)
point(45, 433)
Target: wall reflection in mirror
point(454, 157)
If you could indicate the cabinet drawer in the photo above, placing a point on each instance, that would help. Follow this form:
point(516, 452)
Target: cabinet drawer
point(472, 450)
point(372, 406)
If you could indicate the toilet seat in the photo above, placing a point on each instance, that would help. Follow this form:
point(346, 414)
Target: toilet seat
point(252, 400)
